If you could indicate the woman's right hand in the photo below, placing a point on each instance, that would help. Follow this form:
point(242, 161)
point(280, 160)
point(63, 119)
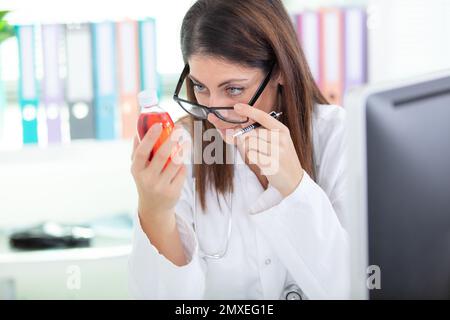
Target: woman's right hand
point(158, 189)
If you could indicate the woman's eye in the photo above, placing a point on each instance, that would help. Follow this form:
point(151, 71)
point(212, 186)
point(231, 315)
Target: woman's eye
point(198, 87)
point(235, 91)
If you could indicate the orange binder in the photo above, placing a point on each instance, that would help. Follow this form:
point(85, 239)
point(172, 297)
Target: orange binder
point(129, 83)
point(332, 54)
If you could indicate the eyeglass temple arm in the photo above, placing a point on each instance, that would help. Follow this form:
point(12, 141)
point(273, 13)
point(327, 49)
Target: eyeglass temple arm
point(180, 81)
point(262, 86)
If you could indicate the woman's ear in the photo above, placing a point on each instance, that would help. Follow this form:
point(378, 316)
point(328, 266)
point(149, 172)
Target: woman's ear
point(279, 77)
point(276, 80)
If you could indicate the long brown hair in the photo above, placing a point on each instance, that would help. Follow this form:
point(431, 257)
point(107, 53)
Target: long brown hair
point(253, 33)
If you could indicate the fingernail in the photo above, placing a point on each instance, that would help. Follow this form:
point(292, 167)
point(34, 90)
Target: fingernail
point(156, 127)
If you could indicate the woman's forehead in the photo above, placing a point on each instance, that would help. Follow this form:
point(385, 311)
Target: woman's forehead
point(214, 69)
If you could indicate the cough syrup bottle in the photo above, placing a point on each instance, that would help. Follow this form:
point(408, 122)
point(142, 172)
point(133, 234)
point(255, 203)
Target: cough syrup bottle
point(152, 113)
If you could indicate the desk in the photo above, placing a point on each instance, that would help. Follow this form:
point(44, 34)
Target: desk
point(97, 272)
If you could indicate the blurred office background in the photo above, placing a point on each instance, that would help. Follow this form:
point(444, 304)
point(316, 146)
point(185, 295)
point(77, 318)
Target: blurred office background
point(69, 76)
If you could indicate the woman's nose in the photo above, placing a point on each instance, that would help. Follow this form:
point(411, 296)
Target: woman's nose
point(219, 101)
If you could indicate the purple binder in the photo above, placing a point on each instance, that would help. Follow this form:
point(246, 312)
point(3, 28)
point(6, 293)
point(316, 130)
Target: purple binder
point(355, 47)
point(52, 84)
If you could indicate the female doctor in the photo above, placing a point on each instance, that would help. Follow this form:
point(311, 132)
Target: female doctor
point(270, 225)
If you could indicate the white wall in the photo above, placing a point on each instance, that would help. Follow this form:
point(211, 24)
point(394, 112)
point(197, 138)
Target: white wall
point(75, 182)
point(408, 38)
point(169, 14)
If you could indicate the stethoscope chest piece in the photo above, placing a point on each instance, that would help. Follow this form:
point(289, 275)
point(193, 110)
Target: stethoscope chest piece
point(293, 292)
point(293, 296)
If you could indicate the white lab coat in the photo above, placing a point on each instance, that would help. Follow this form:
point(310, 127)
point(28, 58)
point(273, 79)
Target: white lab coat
point(274, 242)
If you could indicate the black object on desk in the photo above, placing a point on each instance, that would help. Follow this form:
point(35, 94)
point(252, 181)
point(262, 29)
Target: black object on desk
point(51, 235)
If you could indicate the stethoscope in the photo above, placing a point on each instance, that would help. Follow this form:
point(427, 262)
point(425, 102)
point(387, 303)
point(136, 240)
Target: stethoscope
point(290, 292)
point(221, 253)
point(293, 292)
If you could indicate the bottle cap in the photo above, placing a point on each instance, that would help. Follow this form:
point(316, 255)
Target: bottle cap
point(148, 98)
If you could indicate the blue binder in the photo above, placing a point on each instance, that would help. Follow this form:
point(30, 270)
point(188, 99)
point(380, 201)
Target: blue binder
point(105, 80)
point(28, 91)
point(147, 56)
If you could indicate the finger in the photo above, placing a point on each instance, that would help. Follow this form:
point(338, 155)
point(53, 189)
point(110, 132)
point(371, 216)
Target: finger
point(181, 152)
point(259, 133)
point(258, 158)
point(180, 177)
point(179, 133)
point(135, 145)
point(259, 116)
point(264, 162)
point(174, 165)
point(170, 172)
point(144, 148)
point(162, 155)
point(255, 141)
point(260, 146)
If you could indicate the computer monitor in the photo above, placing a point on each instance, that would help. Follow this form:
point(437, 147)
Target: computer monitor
point(399, 189)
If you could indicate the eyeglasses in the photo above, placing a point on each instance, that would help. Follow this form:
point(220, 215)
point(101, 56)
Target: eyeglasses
point(224, 113)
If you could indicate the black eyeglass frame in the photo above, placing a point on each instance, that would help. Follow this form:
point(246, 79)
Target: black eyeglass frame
point(215, 110)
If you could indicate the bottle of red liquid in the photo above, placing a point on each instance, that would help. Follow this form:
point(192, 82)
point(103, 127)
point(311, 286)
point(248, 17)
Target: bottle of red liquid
point(151, 114)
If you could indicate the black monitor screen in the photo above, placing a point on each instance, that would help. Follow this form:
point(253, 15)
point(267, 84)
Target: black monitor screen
point(408, 187)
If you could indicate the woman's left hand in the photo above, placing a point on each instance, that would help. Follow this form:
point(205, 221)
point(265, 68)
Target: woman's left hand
point(271, 149)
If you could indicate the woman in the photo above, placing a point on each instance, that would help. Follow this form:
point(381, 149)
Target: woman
point(271, 222)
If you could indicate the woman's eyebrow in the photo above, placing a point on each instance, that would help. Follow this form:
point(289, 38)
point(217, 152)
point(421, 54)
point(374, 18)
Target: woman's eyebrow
point(220, 85)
